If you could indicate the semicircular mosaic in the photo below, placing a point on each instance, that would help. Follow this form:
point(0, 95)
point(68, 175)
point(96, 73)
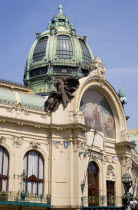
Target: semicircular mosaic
point(97, 112)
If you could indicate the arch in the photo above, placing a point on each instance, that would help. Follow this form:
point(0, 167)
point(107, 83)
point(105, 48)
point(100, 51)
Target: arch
point(93, 184)
point(39, 150)
point(110, 94)
point(33, 166)
point(4, 169)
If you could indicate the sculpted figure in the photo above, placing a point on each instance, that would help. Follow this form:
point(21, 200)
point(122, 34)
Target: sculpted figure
point(63, 95)
point(122, 97)
point(97, 68)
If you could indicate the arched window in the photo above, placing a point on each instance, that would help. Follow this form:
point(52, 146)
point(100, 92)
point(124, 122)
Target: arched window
point(4, 165)
point(93, 184)
point(85, 52)
point(40, 49)
point(64, 47)
point(33, 164)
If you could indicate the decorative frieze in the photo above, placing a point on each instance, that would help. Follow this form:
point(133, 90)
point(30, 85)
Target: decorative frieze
point(110, 170)
point(81, 145)
point(25, 112)
point(124, 134)
point(64, 144)
point(17, 140)
point(126, 161)
point(101, 83)
point(9, 109)
point(2, 139)
point(97, 68)
point(34, 145)
point(43, 116)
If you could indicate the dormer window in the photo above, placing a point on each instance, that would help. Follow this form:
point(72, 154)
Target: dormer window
point(64, 47)
point(61, 20)
point(85, 52)
point(40, 49)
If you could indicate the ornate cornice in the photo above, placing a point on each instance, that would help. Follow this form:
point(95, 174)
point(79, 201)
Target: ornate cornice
point(125, 144)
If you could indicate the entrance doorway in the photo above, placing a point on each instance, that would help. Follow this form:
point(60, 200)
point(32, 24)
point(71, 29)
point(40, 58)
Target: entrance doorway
point(93, 184)
point(110, 186)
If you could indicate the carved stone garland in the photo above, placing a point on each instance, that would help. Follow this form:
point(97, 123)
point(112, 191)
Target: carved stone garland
point(110, 170)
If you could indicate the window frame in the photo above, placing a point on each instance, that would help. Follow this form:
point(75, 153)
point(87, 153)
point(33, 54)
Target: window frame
point(86, 56)
point(33, 179)
point(64, 47)
point(38, 53)
point(4, 177)
point(93, 183)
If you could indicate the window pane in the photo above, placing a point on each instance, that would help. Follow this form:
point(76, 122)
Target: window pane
point(64, 47)
point(4, 184)
point(33, 163)
point(25, 164)
point(40, 49)
point(34, 188)
point(40, 188)
point(29, 187)
point(85, 52)
point(1, 155)
point(5, 165)
point(40, 167)
point(4, 159)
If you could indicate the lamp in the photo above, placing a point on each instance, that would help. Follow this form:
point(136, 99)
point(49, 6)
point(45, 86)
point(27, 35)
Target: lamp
point(127, 182)
point(126, 177)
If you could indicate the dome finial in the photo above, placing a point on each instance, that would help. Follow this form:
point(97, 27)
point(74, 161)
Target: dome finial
point(60, 9)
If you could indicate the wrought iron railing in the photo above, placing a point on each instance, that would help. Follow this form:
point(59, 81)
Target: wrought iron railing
point(23, 197)
point(94, 201)
point(104, 208)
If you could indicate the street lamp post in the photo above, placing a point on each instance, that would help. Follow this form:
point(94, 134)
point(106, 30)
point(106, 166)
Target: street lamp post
point(127, 182)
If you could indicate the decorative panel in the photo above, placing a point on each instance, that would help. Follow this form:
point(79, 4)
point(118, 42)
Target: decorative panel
point(97, 113)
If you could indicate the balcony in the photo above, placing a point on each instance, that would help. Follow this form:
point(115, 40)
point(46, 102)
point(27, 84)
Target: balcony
point(105, 203)
point(24, 199)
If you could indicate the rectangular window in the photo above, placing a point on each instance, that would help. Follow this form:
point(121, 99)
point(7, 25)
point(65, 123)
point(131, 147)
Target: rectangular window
point(110, 193)
point(64, 47)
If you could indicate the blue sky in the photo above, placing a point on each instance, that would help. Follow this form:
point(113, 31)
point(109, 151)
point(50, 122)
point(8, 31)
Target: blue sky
point(111, 27)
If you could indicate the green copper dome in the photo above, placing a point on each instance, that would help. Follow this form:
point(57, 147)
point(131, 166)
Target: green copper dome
point(56, 53)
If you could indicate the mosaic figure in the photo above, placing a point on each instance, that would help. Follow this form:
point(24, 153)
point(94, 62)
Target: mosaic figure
point(97, 113)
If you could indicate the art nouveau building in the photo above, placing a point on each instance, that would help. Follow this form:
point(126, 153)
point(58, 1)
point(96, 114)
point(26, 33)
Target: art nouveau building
point(72, 157)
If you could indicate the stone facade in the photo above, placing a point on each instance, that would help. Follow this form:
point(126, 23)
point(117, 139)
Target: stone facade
point(67, 146)
point(71, 158)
